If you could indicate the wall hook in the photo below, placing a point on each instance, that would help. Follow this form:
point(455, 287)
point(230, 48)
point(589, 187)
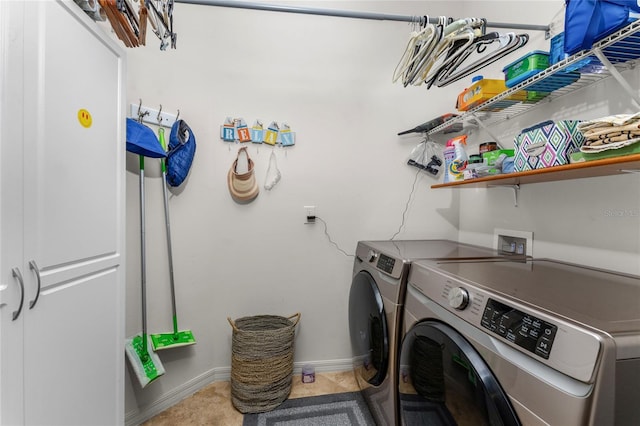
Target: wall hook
point(140, 113)
point(151, 115)
point(178, 115)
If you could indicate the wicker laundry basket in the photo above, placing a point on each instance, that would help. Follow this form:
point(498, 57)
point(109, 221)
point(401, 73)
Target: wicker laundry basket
point(261, 361)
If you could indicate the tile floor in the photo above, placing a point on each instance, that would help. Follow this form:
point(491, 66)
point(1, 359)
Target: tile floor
point(212, 405)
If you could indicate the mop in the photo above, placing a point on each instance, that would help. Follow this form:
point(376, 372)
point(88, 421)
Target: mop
point(176, 338)
point(146, 364)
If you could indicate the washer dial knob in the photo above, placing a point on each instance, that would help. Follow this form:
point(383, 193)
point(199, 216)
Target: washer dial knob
point(458, 298)
point(372, 256)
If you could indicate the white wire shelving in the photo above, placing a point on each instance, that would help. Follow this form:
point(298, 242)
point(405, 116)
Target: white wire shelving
point(618, 52)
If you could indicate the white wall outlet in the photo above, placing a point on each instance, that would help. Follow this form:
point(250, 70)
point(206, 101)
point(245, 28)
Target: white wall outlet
point(512, 241)
point(310, 214)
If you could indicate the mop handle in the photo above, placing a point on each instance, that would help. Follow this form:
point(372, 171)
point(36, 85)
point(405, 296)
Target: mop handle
point(143, 266)
point(168, 227)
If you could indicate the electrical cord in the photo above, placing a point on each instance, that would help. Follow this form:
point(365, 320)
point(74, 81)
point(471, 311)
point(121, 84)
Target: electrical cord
point(404, 214)
point(326, 232)
point(406, 207)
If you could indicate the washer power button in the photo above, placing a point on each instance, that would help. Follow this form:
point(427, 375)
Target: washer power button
point(458, 298)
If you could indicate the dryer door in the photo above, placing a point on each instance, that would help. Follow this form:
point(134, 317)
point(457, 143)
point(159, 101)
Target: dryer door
point(369, 330)
point(444, 381)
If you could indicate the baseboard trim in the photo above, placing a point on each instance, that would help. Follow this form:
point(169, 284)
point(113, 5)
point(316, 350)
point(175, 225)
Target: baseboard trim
point(327, 366)
point(171, 398)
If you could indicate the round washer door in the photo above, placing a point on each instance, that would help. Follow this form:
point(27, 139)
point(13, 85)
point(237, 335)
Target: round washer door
point(444, 381)
point(368, 329)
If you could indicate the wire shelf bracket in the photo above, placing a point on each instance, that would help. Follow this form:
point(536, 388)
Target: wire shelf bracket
point(515, 188)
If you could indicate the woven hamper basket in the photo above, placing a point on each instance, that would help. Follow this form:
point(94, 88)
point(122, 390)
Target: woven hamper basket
point(261, 361)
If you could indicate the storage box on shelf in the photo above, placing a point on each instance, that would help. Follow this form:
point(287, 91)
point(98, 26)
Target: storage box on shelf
point(484, 89)
point(547, 144)
point(525, 67)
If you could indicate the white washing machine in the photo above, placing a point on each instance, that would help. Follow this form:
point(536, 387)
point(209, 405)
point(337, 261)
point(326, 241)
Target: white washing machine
point(538, 342)
point(376, 299)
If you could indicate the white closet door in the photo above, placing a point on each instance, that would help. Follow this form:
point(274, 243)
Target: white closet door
point(11, 213)
point(74, 170)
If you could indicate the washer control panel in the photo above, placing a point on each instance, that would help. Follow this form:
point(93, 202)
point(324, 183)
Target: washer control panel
point(526, 331)
point(386, 263)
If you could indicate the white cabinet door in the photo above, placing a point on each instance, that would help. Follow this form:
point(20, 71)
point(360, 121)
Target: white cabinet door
point(11, 214)
point(74, 219)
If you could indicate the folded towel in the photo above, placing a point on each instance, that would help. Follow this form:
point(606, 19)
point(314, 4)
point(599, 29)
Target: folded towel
point(609, 121)
point(611, 139)
point(604, 130)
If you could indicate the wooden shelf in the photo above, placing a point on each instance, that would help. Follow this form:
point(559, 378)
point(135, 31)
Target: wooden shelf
point(606, 167)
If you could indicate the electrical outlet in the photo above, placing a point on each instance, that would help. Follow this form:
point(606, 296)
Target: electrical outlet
point(513, 242)
point(310, 214)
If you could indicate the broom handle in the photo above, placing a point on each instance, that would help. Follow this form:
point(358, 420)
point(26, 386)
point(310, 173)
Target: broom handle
point(168, 226)
point(143, 265)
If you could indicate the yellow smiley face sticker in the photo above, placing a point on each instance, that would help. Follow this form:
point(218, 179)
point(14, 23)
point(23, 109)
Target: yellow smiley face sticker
point(84, 117)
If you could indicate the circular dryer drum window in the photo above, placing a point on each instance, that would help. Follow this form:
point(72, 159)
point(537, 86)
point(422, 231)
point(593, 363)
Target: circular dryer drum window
point(368, 329)
point(444, 381)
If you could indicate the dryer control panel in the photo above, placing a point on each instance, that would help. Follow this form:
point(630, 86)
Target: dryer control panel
point(524, 330)
point(386, 263)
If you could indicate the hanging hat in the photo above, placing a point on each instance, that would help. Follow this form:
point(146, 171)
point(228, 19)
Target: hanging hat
point(142, 140)
point(241, 179)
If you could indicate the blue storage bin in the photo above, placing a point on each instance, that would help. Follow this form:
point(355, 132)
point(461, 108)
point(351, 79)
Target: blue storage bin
point(587, 21)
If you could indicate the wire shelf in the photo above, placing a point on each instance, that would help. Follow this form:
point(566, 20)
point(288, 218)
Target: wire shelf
point(621, 49)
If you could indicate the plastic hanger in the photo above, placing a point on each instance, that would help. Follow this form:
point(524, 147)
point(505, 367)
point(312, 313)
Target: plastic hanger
point(419, 45)
point(442, 56)
point(503, 44)
point(424, 56)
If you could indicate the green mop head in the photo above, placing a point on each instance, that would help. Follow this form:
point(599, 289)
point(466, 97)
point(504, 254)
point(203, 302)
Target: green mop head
point(146, 364)
point(172, 340)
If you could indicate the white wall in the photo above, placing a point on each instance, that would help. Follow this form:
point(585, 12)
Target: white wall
point(330, 79)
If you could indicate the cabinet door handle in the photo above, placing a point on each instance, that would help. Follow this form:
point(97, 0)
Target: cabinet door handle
point(34, 267)
point(16, 274)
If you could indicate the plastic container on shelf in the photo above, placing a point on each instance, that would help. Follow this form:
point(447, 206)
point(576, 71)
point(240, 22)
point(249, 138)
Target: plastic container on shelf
point(456, 167)
point(487, 146)
point(525, 67)
point(484, 89)
point(449, 154)
point(533, 96)
point(490, 157)
point(493, 161)
point(530, 65)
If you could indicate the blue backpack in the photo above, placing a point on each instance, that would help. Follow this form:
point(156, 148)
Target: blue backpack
point(182, 148)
